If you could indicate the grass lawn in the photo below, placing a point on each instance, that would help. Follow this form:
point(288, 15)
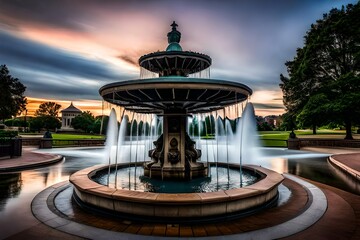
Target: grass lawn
point(277, 138)
point(267, 138)
point(64, 136)
point(274, 138)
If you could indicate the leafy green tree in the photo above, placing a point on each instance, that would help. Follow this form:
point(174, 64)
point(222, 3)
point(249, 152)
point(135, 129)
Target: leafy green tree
point(315, 113)
point(44, 122)
point(14, 122)
point(36, 124)
point(210, 125)
point(97, 125)
point(288, 122)
point(133, 128)
point(345, 105)
point(48, 109)
point(328, 64)
point(50, 122)
point(85, 121)
point(46, 117)
point(12, 99)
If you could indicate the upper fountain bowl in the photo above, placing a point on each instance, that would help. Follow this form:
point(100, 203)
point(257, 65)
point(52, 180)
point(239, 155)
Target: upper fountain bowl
point(173, 62)
point(185, 95)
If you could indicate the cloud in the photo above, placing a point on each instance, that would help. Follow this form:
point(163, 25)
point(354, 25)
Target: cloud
point(51, 72)
point(32, 55)
point(249, 41)
point(268, 106)
point(58, 14)
point(129, 59)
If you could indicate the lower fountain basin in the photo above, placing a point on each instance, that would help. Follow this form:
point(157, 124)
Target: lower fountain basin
point(133, 178)
point(176, 206)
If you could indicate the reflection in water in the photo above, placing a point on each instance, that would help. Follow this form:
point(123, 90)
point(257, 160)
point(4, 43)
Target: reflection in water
point(313, 166)
point(346, 178)
point(319, 170)
point(10, 187)
point(279, 165)
point(15, 208)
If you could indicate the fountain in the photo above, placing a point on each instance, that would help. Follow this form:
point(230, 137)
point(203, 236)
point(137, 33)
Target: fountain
point(175, 87)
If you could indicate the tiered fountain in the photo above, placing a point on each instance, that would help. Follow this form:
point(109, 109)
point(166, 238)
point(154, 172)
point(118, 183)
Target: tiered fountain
point(174, 95)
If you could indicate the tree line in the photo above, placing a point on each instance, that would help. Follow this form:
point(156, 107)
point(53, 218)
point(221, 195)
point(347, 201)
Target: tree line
point(13, 103)
point(323, 82)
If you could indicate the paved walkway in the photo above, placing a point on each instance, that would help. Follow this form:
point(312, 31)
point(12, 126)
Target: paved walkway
point(340, 221)
point(29, 159)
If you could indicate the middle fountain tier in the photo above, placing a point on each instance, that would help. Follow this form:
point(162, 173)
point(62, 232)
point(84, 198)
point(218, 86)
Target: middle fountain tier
point(175, 94)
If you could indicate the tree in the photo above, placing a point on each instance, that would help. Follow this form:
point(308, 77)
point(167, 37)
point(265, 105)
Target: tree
point(16, 122)
point(36, 124)
point(85, 121)
point(315, 112)
point(12, 100)
point(44, 122)
point(46, 116)
point(101, 121)
point(48, 109)
point(328, 65)
point(288, 122)
point(50, 122)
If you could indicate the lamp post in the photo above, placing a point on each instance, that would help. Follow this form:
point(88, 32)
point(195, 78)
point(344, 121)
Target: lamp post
point(25, 120)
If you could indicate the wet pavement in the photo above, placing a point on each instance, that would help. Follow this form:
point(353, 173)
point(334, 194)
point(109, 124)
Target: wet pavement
point(19, 187)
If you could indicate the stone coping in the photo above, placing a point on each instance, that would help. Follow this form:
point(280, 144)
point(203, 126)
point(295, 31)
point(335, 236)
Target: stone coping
point(82, 181)
point(176, 205)
point(342, 161)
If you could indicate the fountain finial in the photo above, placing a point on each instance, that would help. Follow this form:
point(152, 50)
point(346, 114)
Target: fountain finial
point(174, 25)
point(174, 38)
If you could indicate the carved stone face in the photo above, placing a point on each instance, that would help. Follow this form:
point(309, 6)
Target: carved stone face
point(174, 157)
point(173, 143)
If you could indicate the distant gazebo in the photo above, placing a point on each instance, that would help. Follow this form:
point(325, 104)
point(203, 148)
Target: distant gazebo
point(67, 116)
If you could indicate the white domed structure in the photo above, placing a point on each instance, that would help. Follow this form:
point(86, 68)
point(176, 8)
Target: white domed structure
point(68, 114)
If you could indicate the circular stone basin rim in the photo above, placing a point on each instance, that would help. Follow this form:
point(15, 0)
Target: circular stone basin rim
point(172, 205)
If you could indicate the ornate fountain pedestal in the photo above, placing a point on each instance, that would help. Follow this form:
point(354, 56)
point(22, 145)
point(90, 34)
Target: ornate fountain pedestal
point(175, 156)
point(174, 96)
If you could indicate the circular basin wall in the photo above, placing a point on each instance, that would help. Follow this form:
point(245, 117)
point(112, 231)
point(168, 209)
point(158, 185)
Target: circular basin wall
point(176, 205)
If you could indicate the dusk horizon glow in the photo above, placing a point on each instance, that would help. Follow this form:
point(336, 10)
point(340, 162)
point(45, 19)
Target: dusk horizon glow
point(64, 51)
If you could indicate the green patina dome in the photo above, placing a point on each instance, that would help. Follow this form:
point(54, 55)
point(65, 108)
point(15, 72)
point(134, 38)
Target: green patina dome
point(174, 46)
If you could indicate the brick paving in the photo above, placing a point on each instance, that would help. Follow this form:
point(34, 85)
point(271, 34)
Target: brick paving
point(341, 220)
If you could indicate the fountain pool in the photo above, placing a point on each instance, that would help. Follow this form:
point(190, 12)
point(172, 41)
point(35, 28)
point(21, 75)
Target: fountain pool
point(220, 177)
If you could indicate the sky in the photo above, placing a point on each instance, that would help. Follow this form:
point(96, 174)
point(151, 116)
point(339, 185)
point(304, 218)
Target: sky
point(64, 50)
